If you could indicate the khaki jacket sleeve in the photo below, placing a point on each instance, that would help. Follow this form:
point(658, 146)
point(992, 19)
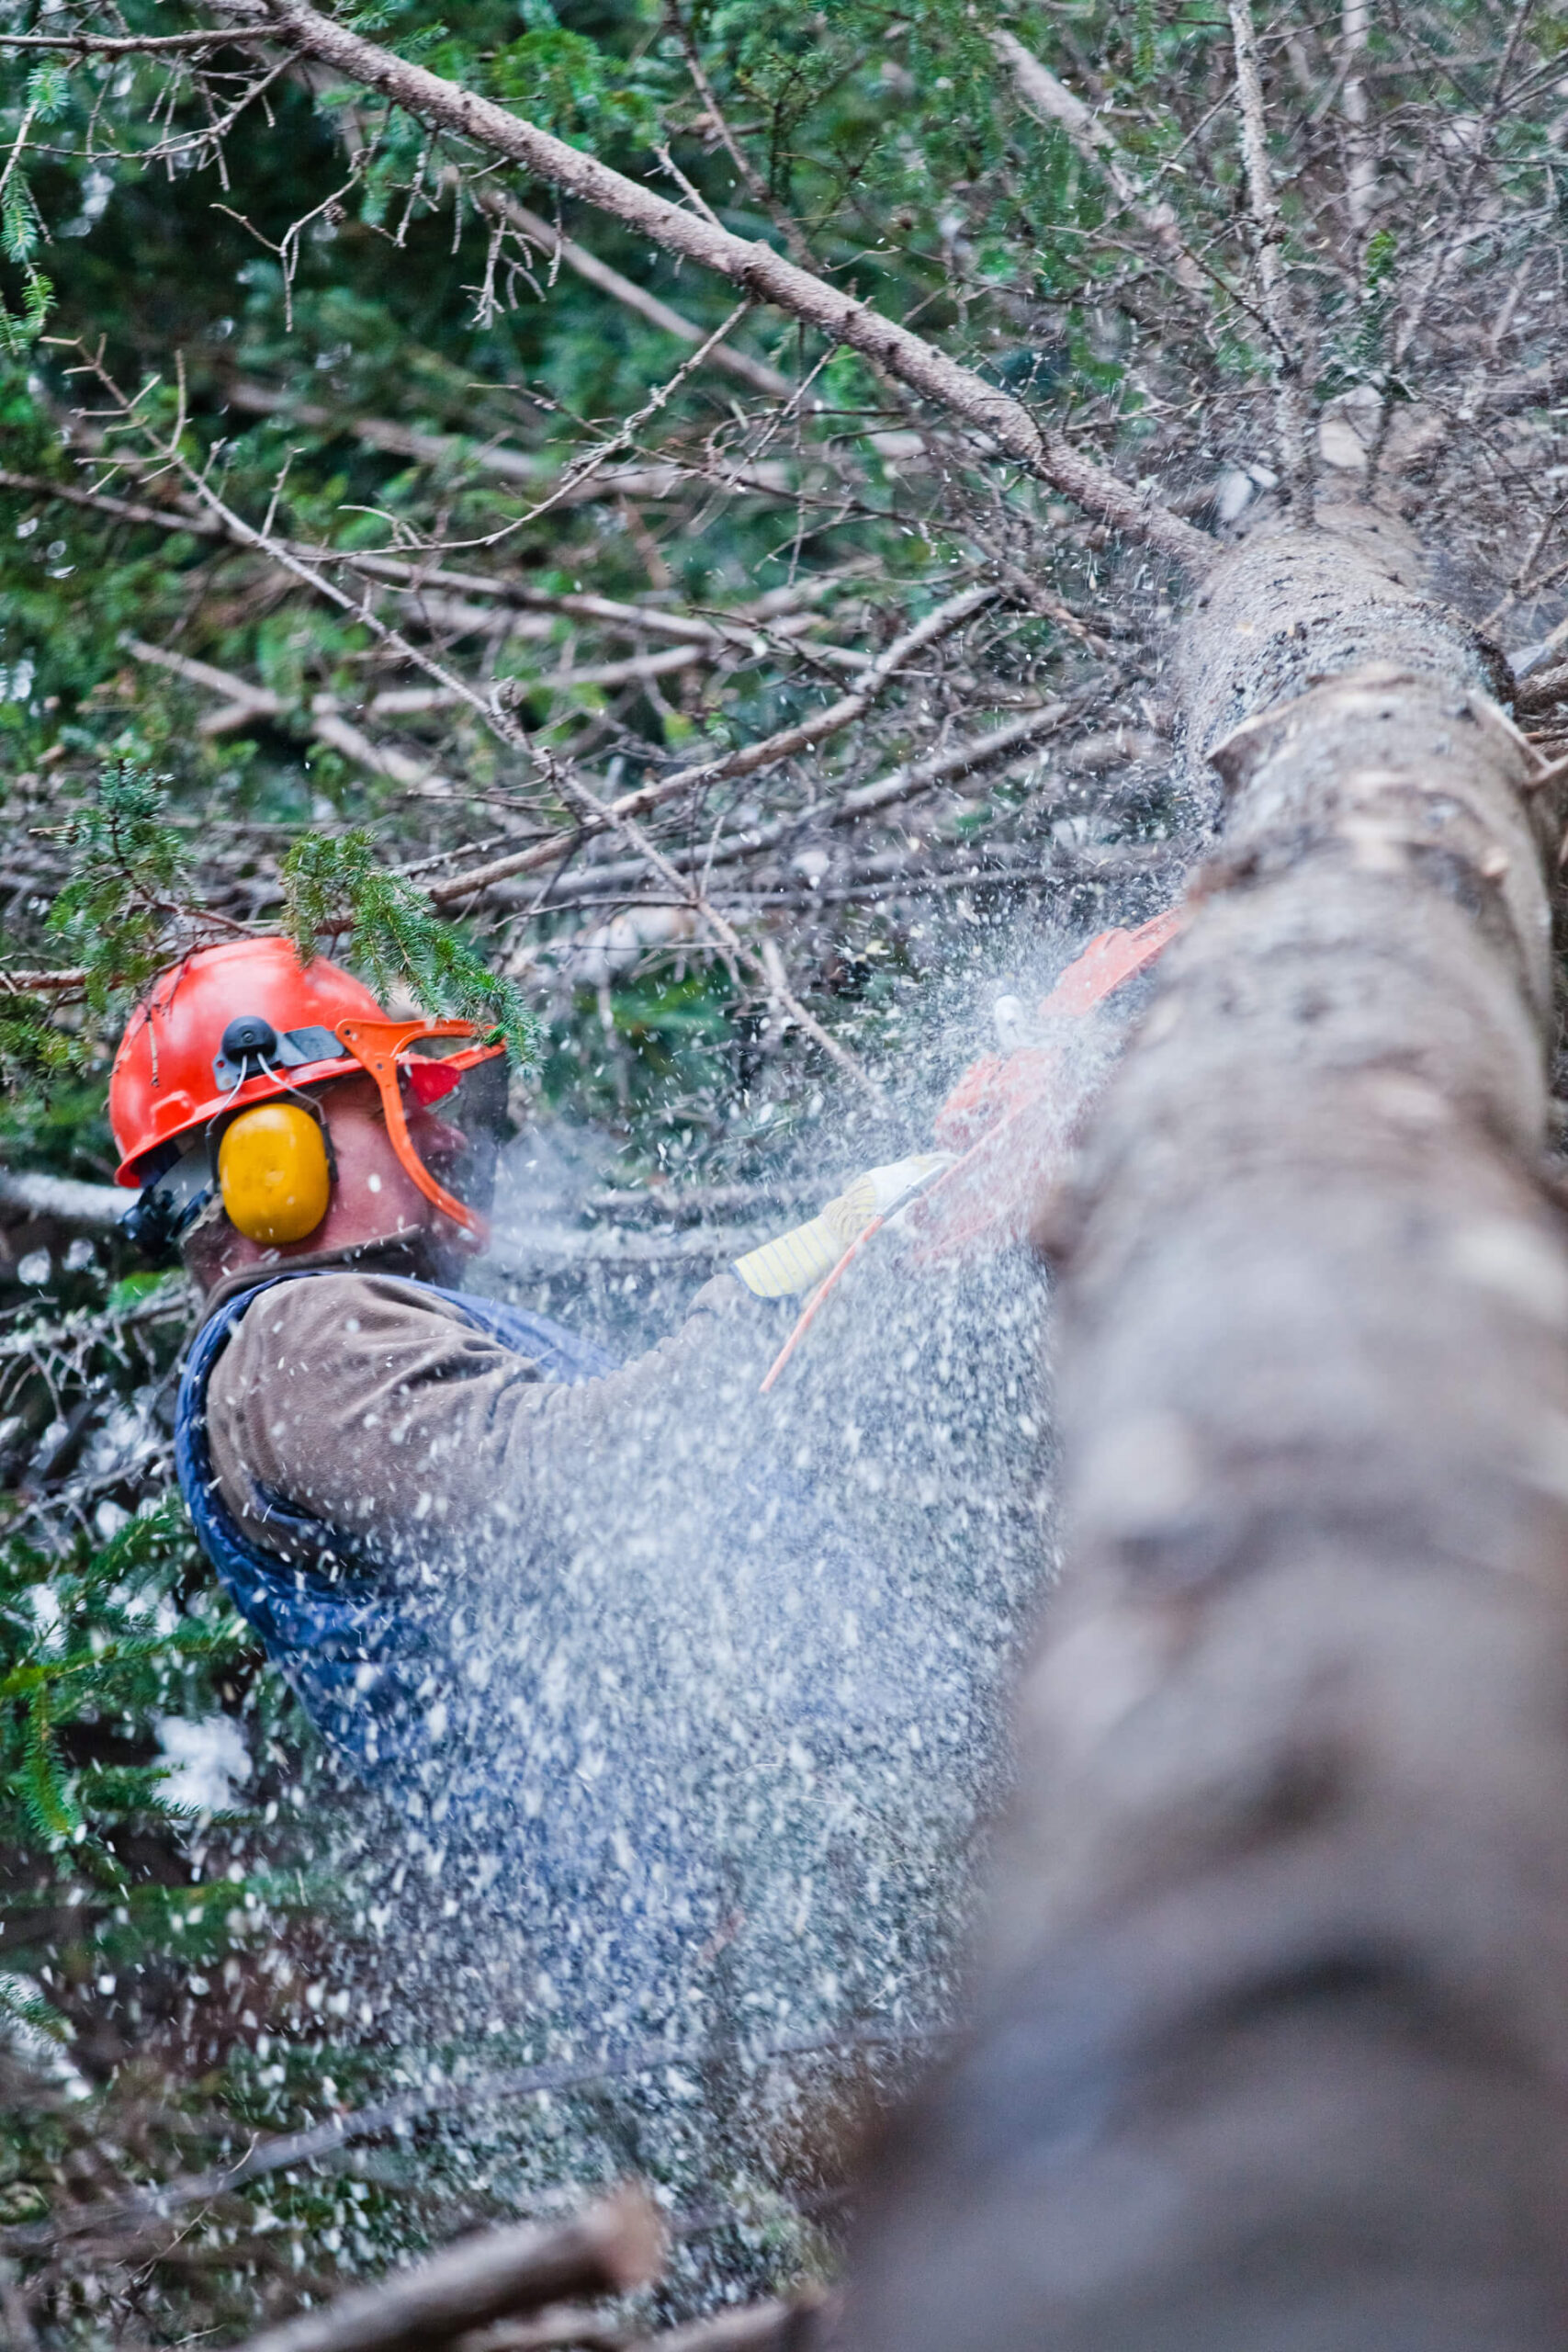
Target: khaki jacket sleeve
point(372, 1405)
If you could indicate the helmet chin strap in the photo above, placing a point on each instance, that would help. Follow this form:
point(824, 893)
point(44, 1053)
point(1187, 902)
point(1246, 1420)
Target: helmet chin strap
point(376, 1046)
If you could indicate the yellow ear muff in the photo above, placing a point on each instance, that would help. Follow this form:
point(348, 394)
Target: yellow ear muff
point(273, 1172)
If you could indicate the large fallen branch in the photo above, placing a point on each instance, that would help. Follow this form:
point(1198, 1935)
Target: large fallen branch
point(609, 2250)
point(763, 273)
point(97, 1207)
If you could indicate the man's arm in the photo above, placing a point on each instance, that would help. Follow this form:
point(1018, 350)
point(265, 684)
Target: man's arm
point(372, 1405)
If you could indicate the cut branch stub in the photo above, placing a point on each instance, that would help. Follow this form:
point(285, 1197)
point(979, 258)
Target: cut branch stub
point(1275, 2026)
point(1397, 807)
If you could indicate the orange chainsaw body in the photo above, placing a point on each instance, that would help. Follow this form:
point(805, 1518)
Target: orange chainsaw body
point(1010, 1115)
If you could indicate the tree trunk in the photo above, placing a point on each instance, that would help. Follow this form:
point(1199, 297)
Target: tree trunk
point(1271, 2045)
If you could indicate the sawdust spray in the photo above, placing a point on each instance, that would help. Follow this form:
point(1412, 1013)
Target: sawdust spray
point(729, 1731)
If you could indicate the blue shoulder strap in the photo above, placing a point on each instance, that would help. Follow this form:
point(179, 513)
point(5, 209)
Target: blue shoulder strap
point(365, 1664)
point(560, 1355)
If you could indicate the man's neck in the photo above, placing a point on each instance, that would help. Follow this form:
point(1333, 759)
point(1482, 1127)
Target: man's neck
point(408, 1255)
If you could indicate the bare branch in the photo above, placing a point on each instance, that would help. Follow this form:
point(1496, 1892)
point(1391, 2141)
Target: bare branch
point(18, 146)
point(97, 1206)
point(911, 780)
point(785, 744)
point(1290, 354)
point(752, 2328)
point(306, 568)
point(1458, 223)
point(120, 510)
point(706, 629)
point(395, 440)
point(577, 484)
point(561, 2327)
point(284, 2150)
point(672, 663)
point(15, 2310)
point(61, 983)
point(135, 44)
point(1416, 307)
point(752, 180)
point(911, 874)
point(245, 702)
point(1360, 180)
point(619, 816)
point(1545, 688)
point(242, 701)
point(403, 768)
point(765, 961)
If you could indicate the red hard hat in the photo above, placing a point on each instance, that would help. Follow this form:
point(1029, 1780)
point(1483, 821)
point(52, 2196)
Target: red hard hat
point(172, 1074)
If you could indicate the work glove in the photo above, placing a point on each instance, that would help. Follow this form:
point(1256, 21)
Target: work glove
point(797, 1261)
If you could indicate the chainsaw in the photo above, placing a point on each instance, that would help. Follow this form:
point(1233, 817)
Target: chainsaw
point(998, 1136)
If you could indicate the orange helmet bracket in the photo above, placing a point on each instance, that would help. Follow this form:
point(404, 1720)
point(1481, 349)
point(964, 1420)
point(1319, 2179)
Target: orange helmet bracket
point(376, 1046)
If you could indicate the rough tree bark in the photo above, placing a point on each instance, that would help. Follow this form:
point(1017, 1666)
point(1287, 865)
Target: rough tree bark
point(1272, 2037)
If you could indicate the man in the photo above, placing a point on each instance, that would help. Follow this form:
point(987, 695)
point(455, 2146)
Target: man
point(650, 1647)
point(576, 1619)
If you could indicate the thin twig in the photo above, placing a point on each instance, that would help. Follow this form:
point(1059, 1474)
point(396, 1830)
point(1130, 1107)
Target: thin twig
point(754, 373)
point(785, 744)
